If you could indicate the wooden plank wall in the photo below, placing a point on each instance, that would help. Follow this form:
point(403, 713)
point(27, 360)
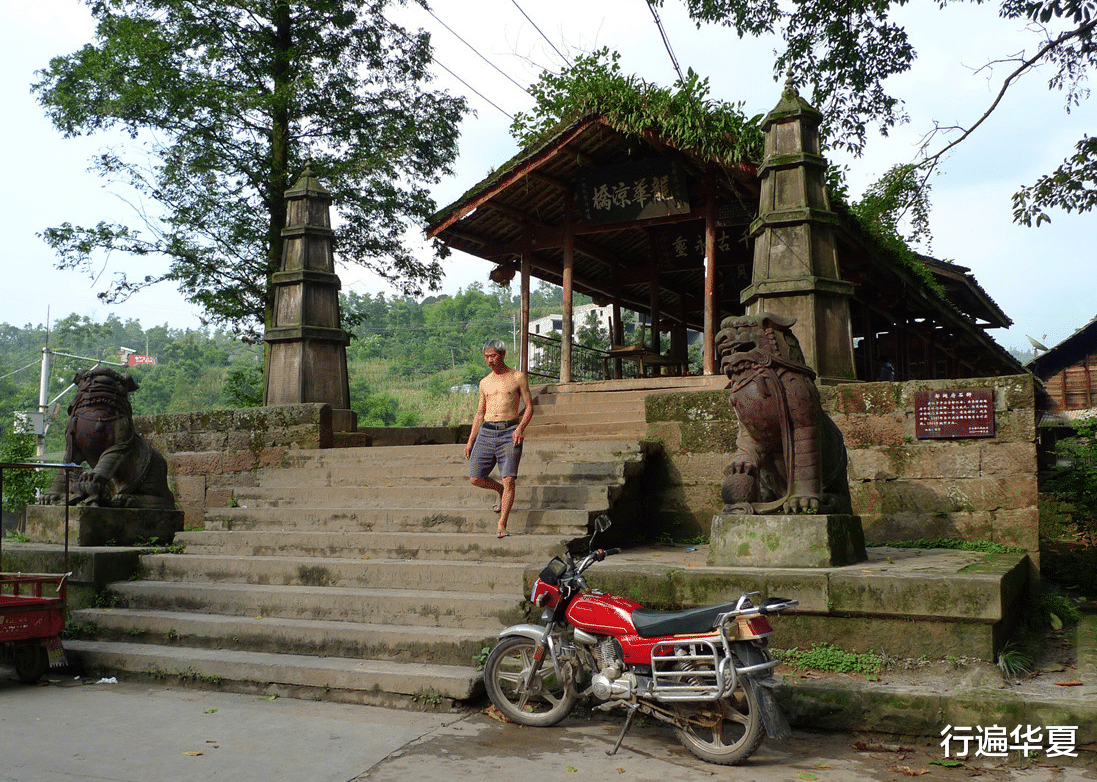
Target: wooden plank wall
point(1075, 387)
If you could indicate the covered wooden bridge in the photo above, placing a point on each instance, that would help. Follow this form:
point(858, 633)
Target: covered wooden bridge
point(687, 240)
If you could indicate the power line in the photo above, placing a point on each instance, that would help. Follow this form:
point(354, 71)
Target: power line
point(436, 61)
point(666, 42)
point(477, 52)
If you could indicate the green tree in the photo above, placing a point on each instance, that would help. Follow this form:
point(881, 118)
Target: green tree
point(228, 100)
point(1075, 480)
point(848, 50)
point(20, 485)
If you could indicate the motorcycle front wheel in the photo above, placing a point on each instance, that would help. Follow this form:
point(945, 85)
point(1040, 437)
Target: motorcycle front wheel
point(725, 732)
point(545, 702)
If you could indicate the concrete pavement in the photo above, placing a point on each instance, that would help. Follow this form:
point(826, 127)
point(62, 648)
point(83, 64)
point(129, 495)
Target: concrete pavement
point(70, 730)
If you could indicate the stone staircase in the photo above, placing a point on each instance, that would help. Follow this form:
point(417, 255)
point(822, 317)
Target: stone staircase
point(367, 575)
point(372, 575)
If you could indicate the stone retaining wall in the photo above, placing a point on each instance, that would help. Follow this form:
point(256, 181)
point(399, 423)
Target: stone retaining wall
point(209, 453)
point(902, 487)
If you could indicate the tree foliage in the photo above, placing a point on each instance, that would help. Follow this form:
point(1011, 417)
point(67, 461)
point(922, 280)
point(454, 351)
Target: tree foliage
point(398, 343)
point(1074, 481)
point(224, 102)
point(20, 485)
point(847, 51)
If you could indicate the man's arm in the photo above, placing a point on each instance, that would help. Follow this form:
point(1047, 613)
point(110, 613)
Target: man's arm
point(481, 409)
point(527, 413)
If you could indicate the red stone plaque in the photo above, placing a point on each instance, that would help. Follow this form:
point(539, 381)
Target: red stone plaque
point(943, 415)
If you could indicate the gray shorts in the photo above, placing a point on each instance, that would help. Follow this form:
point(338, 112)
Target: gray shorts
point(495, 446)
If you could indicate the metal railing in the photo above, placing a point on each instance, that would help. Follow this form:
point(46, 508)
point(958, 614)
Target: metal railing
point(587, 364)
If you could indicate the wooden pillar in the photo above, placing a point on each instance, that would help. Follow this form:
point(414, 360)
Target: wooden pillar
point(618, 335)
point(523, 334)
point(653, 291)
point(654, 305)
point(567, 327)
point(711, 324)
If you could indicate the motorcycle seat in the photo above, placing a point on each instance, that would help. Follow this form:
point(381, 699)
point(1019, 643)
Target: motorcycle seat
point(693, 621)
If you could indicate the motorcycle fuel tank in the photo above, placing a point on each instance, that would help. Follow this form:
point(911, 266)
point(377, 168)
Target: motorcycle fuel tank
point(603, 614)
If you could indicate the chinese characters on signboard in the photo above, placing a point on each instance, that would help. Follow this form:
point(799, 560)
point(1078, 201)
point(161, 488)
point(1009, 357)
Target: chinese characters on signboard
point(633, 191)
point(954, 414)
point(684, 245)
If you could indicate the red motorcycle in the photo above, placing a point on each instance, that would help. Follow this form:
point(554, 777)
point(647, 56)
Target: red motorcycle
point(706, 671)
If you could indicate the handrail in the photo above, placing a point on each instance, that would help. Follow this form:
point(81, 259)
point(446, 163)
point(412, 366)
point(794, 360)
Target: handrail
point(587, 363)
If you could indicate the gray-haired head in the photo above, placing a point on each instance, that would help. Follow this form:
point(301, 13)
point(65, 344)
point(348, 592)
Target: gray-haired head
point(495, 344)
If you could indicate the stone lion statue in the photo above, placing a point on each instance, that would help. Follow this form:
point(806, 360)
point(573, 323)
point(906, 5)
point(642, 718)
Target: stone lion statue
point(126, 472)
point(790, 456)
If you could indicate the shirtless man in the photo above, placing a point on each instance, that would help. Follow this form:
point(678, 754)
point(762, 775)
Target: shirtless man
point(497, 431)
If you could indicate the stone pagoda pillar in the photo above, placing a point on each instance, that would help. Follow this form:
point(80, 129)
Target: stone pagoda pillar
point(795, 255)
point(307, 359)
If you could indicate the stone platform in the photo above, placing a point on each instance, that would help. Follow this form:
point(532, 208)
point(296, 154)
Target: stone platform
point(96, 526)
point(900, 602)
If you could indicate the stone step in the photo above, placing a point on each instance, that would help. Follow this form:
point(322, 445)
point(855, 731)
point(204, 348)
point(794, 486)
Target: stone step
point(419, 474)
point(609, 418)
point(460, 496)
point(423, 608)
point(442, 457)
point(592, 430)
point(379, 545)
point(434, 645)
point(341, 679)
point(570, 523)
point(496, 578)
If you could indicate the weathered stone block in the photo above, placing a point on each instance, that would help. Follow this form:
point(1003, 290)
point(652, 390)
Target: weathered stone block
point(863, 431)
point(786, 541)
point(955, 460)
point(1005, 458)
point(863, 398)
point(690, 406)
point(190, 489)
point(94, 526)
point(239, 461)
point(194, 463)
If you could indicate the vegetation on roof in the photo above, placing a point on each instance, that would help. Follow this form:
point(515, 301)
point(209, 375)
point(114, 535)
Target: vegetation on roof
point(900, 196)
point(683, 115)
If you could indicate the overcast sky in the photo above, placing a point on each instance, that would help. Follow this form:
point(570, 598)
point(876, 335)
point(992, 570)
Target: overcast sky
point(1041, 278)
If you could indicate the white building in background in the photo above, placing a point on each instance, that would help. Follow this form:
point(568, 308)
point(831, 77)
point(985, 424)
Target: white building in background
point(550, 323)
point(553, 324)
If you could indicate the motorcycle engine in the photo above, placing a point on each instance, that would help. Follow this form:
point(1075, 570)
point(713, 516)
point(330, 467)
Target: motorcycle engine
point(611, 682)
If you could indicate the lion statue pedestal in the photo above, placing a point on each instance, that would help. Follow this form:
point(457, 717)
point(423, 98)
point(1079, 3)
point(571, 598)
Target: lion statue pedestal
point(90, 525)
point(786, 541)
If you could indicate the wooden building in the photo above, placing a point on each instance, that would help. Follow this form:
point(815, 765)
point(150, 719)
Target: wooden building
point(671, 233)
point(1069, 374)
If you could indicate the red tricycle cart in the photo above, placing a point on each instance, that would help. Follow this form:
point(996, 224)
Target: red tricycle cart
point(32, 606)
point(32, 616)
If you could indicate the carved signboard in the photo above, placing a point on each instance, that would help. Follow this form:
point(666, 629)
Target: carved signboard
point(633, 191)
point(683, 245)
point(951, 414)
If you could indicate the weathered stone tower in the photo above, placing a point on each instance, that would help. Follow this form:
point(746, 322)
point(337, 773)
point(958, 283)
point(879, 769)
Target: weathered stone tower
point(795, 255)
point(307, 360)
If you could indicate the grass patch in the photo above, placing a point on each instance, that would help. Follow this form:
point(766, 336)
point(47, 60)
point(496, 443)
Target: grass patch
point(983, 546)
point(827, 657)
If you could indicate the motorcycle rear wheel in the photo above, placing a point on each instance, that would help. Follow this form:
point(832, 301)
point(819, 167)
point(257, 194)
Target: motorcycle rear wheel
point(546, 702)
point(725, 732)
